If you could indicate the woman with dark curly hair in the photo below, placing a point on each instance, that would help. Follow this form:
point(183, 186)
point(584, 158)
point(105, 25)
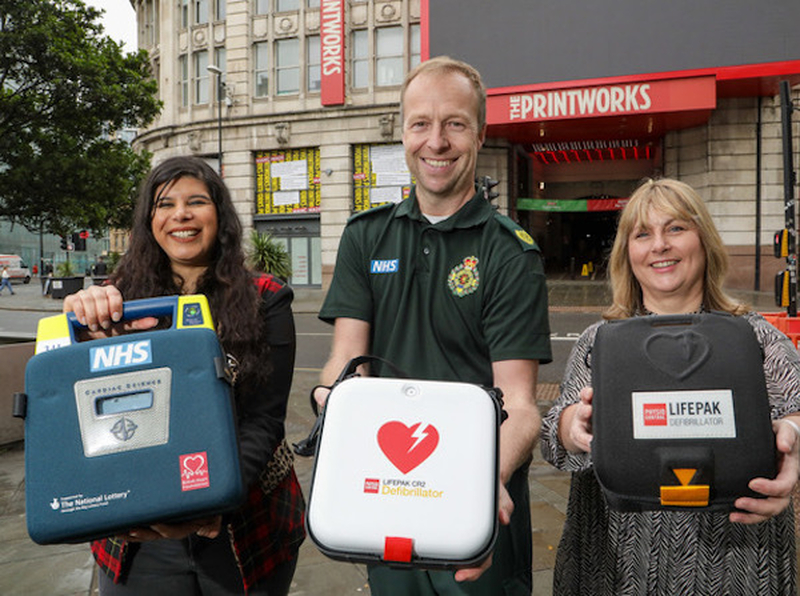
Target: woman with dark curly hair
point(187, 239)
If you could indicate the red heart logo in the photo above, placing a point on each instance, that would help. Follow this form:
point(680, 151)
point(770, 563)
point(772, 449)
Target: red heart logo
point(194, 463)
point(407, 447)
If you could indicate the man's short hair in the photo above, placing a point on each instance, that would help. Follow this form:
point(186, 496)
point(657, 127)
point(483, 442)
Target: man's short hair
point(445, 64)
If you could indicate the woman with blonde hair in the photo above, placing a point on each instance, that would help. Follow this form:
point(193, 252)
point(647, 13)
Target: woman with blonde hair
point(668, 258)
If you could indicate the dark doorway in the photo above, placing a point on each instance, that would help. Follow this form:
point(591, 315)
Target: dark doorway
point(579, 242)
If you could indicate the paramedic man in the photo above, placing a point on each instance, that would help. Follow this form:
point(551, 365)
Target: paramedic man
point(447, 289)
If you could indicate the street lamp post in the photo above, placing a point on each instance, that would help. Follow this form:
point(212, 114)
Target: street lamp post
point(220, 87)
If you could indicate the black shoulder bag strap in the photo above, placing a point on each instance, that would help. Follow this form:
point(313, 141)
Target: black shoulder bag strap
point(308, 446)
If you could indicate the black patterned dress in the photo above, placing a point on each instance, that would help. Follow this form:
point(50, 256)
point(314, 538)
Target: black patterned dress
point(610, 553)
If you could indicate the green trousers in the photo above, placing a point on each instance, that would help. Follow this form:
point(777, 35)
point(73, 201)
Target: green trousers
point(509, 575)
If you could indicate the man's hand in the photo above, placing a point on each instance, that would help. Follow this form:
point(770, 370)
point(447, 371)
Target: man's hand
point(505, 509)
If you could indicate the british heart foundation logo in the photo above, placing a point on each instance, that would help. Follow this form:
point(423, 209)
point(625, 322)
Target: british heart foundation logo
point(407, 446)
point(194, 471)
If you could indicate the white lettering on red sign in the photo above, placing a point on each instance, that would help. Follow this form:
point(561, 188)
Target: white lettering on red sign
point(332, 50)
point(592, 101)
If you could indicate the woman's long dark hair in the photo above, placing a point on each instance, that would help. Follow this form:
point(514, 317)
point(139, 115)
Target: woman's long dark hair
point(145, 270)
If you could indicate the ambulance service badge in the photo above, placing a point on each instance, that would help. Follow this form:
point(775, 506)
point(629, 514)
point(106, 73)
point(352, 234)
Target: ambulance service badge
point(464, 279)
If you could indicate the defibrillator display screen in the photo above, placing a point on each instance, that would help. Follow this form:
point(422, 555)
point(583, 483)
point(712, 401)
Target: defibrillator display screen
point(128, 402)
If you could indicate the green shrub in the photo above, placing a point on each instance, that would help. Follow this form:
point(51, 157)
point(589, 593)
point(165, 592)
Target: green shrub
point(269, 256)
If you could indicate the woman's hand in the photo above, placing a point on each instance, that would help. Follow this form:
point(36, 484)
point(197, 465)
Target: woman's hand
point(100, 309)
point(206, 527)
point(779, 490)
point(575, 427)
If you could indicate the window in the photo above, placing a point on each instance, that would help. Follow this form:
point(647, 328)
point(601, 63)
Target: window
point(415, 50)
point(286, 5)
point(389, 56)
point(201, 77)
point(220, 56)
point(200, 12)
point(221, 6)
point(313, 59)
point(312, 3)
point(184, 14)
point(183, 70)
point(262, 6)
point(287, 66)
point(262, 69)
point(360, 58)
point(150, 23)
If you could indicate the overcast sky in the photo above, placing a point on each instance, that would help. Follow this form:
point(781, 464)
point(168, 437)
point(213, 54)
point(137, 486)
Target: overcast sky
point(119, 21)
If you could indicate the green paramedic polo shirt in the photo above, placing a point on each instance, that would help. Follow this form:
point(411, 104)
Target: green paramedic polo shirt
point(443, 300)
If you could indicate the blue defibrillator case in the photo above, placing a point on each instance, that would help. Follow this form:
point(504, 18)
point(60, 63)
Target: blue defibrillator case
point(129, 430)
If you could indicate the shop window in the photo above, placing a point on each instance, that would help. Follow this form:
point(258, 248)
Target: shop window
point(360, 58)
point(380, 175)
point(389, 56)
point(287, 66)
point(200, 77)
point(220, 61)
point(183, 84)
point(261, 75)
point(200, 12)
point(287, 182)
point(305, 257)
point(415, 46)
point(313, 70)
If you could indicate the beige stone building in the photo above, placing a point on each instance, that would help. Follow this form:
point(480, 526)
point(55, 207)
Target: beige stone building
point(287, 158)
point(300, 99)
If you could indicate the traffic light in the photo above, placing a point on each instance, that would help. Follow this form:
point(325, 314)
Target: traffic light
point(63, 243)
point(488, 184)
point(783, 243)
point(79, 240)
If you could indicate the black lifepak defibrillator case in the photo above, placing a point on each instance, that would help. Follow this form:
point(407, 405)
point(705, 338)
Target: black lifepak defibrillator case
point(130, 430)
point(406, 473)
point(680, 413)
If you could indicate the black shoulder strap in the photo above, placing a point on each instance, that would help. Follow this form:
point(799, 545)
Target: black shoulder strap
point(308, 446)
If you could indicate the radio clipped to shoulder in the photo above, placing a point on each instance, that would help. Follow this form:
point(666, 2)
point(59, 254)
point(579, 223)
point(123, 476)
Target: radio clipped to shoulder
point(129, 430)
point(680, 414)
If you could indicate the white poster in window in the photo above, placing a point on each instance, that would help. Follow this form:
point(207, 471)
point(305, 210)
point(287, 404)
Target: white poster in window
point(286, 197)
point(280, 169)
point(385, 194)
point(392, 179)
point(388, 159)
point(294, 182)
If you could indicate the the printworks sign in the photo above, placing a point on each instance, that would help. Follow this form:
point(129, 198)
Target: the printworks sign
point(696, 93)
point(332, 48)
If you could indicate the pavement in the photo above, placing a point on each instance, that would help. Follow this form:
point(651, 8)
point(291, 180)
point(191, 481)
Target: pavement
point(67, 570)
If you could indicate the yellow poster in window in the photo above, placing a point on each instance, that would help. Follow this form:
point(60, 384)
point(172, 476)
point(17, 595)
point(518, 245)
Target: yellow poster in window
point(287, 181)
point(380, 175)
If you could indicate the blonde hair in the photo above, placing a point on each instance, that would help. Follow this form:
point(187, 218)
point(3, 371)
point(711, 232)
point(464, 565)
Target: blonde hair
point(680, 201)
point(445, 64)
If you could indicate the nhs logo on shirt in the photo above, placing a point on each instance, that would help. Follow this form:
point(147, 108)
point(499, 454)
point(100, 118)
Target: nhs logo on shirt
point(384, 266)
point(120, 355)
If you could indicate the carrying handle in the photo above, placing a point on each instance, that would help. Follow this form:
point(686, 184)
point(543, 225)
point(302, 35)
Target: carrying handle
point(308, 446)
point(350, 368)
point(161, 306)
